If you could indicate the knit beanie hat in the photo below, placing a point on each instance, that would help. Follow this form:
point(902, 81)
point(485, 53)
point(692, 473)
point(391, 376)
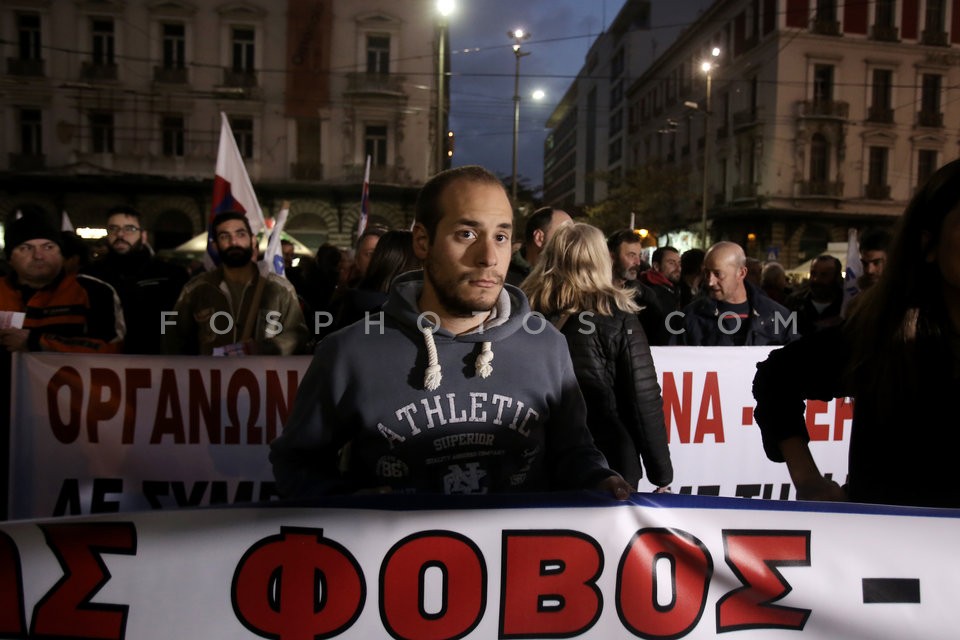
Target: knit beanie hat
point(29, 227)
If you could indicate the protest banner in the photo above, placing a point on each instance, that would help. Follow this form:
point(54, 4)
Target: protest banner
point(550, 566)
point(120, 433)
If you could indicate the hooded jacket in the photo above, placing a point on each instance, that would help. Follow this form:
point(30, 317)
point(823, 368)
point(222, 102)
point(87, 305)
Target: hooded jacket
point(495, 410)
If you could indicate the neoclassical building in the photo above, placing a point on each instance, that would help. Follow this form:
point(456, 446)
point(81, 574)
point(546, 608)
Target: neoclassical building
point(822, 115)
point(112, 101)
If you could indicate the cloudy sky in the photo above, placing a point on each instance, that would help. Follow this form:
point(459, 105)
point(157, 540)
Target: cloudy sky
point(482, 65)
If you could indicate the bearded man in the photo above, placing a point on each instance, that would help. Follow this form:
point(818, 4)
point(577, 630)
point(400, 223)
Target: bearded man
point(234, 309)
point(146, 285)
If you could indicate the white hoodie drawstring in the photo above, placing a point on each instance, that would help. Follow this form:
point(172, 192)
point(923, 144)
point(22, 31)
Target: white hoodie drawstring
point(433, 375)
point(484, 369)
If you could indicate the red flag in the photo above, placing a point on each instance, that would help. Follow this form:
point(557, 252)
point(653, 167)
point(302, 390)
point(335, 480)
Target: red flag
point(232, 189)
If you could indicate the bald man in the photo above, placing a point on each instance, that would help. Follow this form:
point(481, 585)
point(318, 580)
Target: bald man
point(731, 311)
point(539, 228)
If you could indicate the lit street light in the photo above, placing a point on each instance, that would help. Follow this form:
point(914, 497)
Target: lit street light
point(518, 35)
point(707, 67)
point(444, 8)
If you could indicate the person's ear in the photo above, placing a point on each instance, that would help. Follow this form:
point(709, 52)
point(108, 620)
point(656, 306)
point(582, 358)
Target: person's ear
point(539, 238)
point(144, 238)
point(421, 241)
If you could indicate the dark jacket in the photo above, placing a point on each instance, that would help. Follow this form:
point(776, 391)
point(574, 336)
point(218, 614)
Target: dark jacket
point(147, 287)
point(668, 295)
point(769, 323)
point(809, 320)
point(519, 268)
point(613, 365)
point(902, 451)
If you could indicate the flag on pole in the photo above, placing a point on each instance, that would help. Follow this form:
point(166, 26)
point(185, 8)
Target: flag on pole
point(65, 224)
point(231, 189)
point(364, 201)
point(854, 270)
point(273, 258)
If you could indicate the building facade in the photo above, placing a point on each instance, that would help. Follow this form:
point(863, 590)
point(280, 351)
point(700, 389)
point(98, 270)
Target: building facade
point(110, 101)
point(588, 133)
point(822, 116)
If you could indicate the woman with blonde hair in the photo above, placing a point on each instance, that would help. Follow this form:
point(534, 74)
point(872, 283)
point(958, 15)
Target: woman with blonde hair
point(572, 285)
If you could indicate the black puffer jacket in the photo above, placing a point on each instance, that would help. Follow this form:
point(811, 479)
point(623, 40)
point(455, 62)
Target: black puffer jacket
point(613, 365)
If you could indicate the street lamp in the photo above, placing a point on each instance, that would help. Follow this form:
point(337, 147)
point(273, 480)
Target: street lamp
point(707, 67)
point(518, 35)
point(444, 8)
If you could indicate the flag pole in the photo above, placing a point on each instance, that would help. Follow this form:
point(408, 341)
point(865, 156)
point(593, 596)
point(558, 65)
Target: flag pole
point(364, 201)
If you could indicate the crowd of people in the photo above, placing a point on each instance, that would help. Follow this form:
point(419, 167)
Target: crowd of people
point(404, 393)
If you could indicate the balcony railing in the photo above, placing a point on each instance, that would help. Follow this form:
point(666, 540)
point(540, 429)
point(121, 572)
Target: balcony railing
point(818, 188)
point(881, 115)
point(825, 27)
point(877, 191)
point(27, 161)
point(744, 191)
point(929, 119)
point(33, 67)
point(372, 83)
point(243, 79)
point(934, 38)
point(98, 71)
point(387, 173)
point(885, 33)
point(306, 170)
point(824, 109)
point(170, 75)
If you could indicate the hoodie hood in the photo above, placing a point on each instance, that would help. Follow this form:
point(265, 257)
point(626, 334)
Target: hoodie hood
point(506, 318)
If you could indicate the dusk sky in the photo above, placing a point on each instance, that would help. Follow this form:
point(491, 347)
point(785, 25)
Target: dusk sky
point(483, 63)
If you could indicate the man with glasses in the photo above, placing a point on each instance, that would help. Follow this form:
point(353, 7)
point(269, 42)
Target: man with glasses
point(234, 310)
point(147, 286)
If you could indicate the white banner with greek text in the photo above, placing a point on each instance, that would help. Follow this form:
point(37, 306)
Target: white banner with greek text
point(557, 566)
point(99, 434)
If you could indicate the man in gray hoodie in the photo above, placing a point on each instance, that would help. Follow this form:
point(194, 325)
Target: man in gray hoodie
point(411, 399)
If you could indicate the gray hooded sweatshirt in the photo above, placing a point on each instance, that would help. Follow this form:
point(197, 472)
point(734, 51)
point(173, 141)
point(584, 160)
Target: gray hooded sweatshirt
point(385, 403)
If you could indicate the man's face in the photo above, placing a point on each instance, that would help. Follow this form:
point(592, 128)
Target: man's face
point(723, 279)
point(36, 262)
point(235, 244)
point(669, 266)
point(873, 263)
point(365, 253)
point(287, 249)
point(124, 233)
point(823, 279)
point(466, 262)
point(626, 261)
